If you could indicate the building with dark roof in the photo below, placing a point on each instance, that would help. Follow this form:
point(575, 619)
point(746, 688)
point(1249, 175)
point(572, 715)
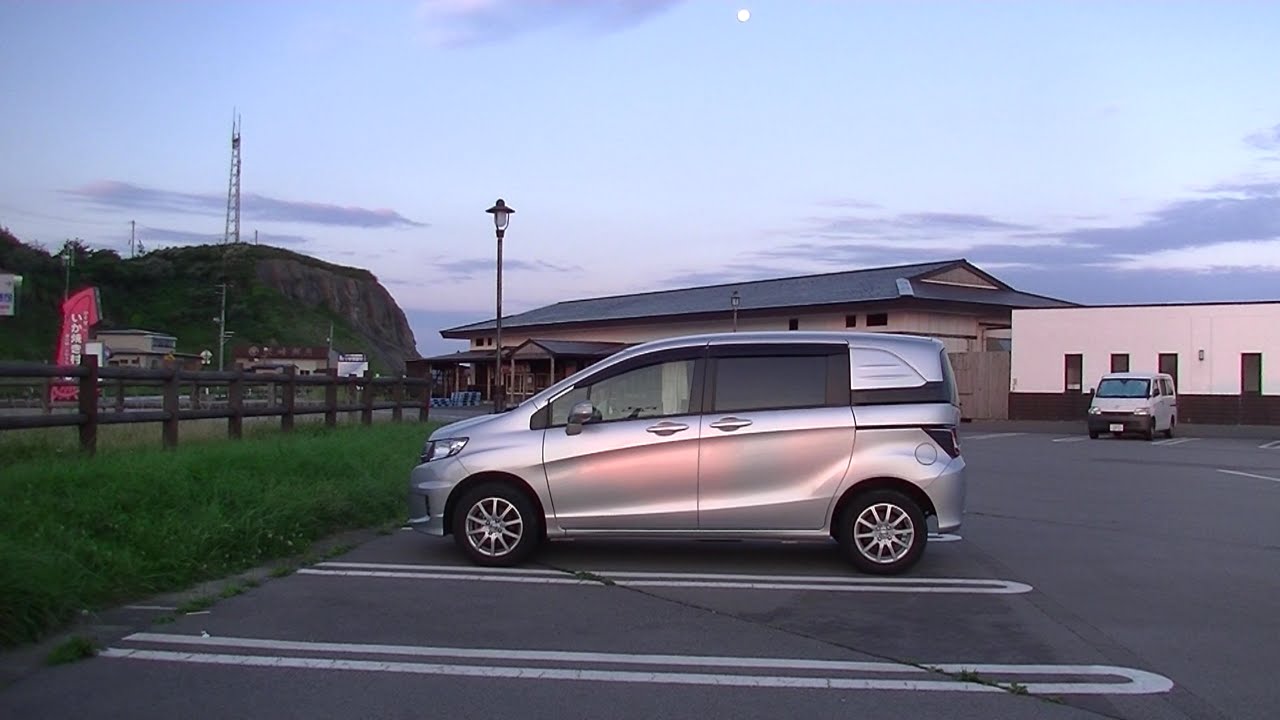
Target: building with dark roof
point(955, 301)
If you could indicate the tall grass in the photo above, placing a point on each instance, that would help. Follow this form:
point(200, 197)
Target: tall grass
point(79, 532)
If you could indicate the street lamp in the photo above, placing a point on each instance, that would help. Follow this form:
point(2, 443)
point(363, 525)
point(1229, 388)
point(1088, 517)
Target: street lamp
point(735, 300)
point(501, 216)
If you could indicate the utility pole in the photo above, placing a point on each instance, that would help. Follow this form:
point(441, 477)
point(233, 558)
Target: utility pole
point(133, 235)
point(222, 326)
point(255, 237)
point(68, 260)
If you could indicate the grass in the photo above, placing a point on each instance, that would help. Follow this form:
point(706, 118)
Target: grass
point(75, 648)
point(86, 533)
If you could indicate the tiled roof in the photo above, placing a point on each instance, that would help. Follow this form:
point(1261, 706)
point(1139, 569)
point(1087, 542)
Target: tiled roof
point(578, 348)
point(854, 286)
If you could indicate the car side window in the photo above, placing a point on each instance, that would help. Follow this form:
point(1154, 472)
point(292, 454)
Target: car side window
point(770, 382)
point(651, 391)
point(1168, 387)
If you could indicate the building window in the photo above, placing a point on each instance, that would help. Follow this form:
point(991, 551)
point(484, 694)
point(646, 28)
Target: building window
point(1074, 373)
point(793, 324)
point(851, 321)
point(1251, 373)
point(877, 319)
point(1119, 362)
point(1168, 364)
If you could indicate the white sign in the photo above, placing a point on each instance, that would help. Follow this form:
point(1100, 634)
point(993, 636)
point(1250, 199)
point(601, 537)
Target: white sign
point(8, 295)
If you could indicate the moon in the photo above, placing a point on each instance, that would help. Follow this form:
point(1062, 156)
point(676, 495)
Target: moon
point(744, 15)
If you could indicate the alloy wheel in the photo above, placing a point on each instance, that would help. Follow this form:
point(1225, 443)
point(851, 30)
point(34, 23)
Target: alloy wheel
point(494, 527)
point(883, 533)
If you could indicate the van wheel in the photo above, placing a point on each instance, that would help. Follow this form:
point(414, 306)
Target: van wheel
point(495, 524)
point(1150, 432)
point(882, 532)
point(1169, 433)
point(1093, 434)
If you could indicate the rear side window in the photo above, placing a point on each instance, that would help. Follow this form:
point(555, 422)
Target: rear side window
point(770, 382)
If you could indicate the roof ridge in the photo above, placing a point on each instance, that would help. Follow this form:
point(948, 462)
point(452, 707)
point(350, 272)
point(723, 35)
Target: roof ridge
point(940, 263)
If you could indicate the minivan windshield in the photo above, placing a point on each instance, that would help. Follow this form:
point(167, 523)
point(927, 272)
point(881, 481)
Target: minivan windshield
point(1124, 388)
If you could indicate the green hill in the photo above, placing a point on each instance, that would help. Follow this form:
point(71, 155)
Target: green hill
point(275, 297)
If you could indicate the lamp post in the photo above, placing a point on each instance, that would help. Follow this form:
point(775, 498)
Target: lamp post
point(501, 216)
point(735, 300)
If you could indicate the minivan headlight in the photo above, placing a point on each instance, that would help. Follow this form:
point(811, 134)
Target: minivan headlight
point(1141, 411)
point(1095, 410)
point(439, 449)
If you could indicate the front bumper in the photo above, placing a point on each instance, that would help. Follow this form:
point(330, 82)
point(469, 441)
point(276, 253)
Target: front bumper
point(948, 492)
point(1127, 423)
point(429, 487)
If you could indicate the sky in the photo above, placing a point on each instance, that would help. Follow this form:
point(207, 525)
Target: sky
point(1097, 152)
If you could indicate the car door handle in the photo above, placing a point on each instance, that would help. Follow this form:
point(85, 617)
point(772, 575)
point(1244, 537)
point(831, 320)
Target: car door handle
point(666, 428)
point(730, 424)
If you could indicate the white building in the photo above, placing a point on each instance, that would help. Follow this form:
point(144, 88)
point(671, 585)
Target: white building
point(1224, 357)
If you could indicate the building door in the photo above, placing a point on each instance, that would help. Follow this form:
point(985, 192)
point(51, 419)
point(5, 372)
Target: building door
point(1168, 364)
point(1253, 411)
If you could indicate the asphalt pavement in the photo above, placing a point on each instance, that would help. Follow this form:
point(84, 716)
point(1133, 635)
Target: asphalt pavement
point(1092, 578)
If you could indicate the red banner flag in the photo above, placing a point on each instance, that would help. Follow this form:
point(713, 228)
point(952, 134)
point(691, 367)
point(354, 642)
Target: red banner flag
point(80, 312)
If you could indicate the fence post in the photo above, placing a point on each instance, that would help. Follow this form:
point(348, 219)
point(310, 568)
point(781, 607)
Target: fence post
point(289, 396)
point(171, 409)
point(366, 415)
point(331, 398)
point(89, 404)
point(397, 394)
point(235, 405)
point(424, 410)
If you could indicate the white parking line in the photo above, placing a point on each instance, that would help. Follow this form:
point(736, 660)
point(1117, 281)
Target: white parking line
point(1273, 445)
point(1249, 475)
point(629, 578)
point(1174, 441)
point(1073, 438)
point(990, 436)
point(1134, 681)
point(943, 537)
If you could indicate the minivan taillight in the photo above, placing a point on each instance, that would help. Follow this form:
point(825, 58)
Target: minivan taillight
point(947, 438)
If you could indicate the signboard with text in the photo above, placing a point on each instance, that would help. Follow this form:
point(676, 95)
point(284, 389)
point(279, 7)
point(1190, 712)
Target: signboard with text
point(80, 312)
point(352, 364)
point(8, 295)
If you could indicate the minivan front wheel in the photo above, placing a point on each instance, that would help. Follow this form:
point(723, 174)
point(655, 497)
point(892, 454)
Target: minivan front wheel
point(495, 524)
point(883, 532)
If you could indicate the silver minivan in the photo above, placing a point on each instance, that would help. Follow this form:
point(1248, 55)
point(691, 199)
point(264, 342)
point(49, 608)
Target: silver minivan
point(781, 435)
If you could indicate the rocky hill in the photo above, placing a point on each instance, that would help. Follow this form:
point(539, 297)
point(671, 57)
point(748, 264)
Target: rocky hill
point(274, 297)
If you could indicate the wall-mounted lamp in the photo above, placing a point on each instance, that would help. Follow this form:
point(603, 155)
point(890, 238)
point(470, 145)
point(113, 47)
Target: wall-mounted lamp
point(1200, 354)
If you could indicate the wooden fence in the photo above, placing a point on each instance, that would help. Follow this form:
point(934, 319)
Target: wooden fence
point(982, 382)
point(86, 414)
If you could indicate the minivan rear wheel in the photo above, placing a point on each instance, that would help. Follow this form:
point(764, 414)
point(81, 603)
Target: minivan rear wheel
point(882, 532)
point(495, 524)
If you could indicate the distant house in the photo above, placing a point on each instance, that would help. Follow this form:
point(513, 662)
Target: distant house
point(965, 307)
point(143, 349)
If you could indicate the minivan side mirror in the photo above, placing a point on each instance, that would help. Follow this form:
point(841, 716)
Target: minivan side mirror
point(579, 414)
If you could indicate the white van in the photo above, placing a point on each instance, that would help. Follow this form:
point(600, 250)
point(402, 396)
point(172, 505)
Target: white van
point(1134, 402)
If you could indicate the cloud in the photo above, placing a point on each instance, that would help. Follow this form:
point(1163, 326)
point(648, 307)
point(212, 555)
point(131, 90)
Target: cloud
point(122, 195)
point(1251, 211)
point(729, 273)
point(464, 23)
point(1268, 139)
point(1235, 256)
point(468, 268)
point(153, 237)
